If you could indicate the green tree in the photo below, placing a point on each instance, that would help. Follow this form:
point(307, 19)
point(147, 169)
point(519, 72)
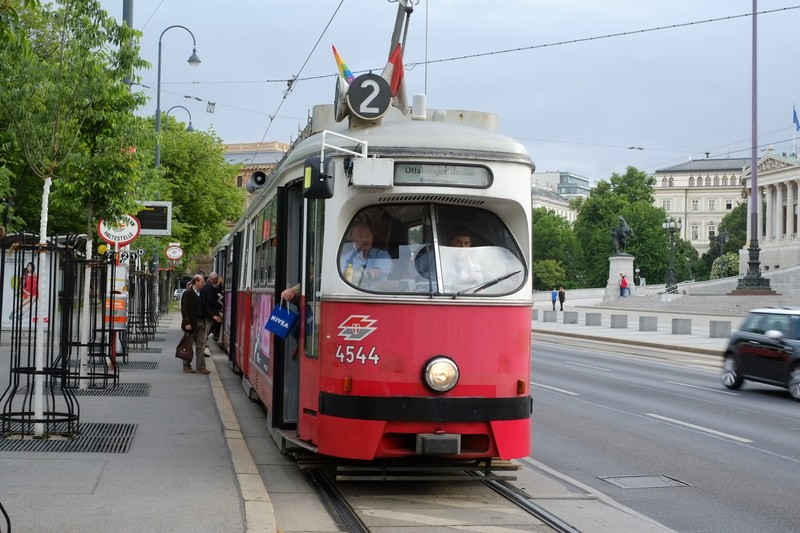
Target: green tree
point(629, 195)
point(554, 239)
point(67, 111)
point(734, 227)
point(547, 274)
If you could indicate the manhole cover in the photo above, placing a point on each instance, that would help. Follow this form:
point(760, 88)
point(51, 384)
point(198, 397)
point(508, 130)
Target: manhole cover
point(139, 365)
point(644, 482)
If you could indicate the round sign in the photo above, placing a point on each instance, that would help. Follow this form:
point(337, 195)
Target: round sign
point(369, 96)
point(174, 253)
point(122, 232)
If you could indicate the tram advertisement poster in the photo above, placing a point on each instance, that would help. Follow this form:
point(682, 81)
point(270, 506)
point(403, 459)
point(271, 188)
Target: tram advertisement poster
point(261, 353)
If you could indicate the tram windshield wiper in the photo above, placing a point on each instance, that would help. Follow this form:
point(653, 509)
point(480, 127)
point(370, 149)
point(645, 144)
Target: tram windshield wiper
point(488, 284)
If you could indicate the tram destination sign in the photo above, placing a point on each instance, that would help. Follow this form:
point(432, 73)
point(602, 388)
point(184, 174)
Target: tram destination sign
point(452, 175)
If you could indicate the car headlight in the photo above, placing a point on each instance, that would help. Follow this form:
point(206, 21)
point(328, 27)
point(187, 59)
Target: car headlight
point(441, 374)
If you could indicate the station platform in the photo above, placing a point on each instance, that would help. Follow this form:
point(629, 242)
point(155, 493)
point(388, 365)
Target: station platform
point(198, 458)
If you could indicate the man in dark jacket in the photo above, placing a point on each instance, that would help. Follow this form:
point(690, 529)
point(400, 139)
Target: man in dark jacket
point(193, 323)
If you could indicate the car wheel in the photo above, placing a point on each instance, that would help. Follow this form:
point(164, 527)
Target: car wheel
point(730, 375)
point(794, 383)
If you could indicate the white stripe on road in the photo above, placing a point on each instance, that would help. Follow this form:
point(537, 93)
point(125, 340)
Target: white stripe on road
point(588, 366)
point(702, 388)
point(699, 428)
point(555, 389)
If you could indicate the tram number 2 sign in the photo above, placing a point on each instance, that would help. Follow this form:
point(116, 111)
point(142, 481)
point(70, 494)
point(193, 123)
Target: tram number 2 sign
point(369, 96)
point(351, 354)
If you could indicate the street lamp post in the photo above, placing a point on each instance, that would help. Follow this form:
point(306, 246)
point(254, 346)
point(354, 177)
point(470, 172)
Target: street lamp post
point(636, 270)
point(672, 226)
point(189, 128)
point(193, 60)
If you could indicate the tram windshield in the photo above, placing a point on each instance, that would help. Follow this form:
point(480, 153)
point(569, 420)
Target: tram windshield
point(430, 249)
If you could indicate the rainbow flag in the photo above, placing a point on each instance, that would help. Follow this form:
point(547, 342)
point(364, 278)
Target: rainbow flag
point(344, 70)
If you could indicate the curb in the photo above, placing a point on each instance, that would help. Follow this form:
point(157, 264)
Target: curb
point(259, 514)
point(686, 349)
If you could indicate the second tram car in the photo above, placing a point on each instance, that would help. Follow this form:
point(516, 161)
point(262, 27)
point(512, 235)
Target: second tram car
point(408, 241)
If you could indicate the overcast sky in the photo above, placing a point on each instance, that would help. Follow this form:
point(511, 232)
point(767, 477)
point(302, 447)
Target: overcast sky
point(676, 93)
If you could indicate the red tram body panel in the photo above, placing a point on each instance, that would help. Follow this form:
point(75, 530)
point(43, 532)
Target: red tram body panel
point(377, 351)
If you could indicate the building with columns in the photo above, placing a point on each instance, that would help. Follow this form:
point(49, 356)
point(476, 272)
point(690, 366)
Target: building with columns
point(778, 179)
point(700, 193)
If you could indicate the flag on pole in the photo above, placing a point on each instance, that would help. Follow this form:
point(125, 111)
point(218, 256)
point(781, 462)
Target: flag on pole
point(344, 70)
point(794, 119)
point(394, 74)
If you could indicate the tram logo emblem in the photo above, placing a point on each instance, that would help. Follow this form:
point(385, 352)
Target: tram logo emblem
point(356, 327)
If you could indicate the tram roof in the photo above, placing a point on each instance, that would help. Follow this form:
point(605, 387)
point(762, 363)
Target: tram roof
point(451, 133)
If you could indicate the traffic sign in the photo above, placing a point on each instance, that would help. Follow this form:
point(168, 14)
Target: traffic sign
point(174, 252)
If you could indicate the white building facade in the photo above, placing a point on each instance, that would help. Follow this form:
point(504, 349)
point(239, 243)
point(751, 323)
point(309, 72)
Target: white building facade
point(778, 181)
point(700, 193)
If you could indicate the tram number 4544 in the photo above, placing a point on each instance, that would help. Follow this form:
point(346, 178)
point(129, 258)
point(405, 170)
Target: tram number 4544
point(349, 354)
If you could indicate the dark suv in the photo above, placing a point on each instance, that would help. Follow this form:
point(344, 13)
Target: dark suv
point(765, 349)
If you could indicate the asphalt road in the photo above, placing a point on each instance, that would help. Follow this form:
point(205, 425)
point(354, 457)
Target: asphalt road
point(667, 439)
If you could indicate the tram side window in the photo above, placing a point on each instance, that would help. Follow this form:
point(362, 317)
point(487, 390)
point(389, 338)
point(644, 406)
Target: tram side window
point(425, 248)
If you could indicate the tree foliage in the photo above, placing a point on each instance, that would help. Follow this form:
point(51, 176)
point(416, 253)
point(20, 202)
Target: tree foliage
point(67, 116)
point(547, 274)
point(554, 239)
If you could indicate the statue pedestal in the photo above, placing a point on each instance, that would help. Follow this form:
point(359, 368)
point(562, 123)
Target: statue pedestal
point(619, 265)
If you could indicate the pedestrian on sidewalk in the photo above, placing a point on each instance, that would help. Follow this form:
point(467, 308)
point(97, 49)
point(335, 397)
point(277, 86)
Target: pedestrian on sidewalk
point(562, 295)
point(623, 286)
point(212, 307)
point(554, 297)
point(193, 323)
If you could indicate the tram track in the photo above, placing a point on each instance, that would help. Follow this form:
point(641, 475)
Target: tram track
point(349, 516)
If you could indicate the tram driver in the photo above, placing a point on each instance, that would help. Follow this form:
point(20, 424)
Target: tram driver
point(460, 266)
point(361, 264)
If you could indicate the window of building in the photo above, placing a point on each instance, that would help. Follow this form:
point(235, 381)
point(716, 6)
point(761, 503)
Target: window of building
point(695, 232)
point(239, 181)
point(666, 205)
point(724, 181)
point(691, 182)
point(695, 205)
point(663, 182)
point(712, 230)
point(716, 181)
point(712, 204)
point(671, 182)
point(728, 204)
point(708, 181)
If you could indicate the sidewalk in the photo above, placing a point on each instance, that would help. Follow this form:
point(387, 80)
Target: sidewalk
point(698, 342)
point(186, 468)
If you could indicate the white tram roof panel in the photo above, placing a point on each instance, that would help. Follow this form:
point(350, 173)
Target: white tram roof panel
point(399, 135)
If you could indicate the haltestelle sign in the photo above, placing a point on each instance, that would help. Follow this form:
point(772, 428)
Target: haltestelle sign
point(122, 232)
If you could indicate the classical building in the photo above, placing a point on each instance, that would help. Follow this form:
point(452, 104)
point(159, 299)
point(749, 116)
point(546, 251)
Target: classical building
point(700, 193)
point(254, 156)
point(778, 179)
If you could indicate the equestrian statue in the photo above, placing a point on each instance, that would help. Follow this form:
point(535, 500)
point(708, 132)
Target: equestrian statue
point(619, 236)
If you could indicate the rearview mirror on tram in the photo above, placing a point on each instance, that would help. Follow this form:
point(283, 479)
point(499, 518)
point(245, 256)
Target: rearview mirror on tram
point(318, 182)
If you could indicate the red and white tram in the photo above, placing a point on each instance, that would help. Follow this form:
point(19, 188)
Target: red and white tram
point(410, 237)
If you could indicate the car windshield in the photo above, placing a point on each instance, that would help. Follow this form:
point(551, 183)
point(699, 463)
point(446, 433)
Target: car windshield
point(431, 249)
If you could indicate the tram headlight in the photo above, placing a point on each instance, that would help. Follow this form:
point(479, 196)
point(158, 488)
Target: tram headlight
point(441, 374)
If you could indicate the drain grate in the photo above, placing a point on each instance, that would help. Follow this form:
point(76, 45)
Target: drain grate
point(145, 350)
point(121, 389)
point(644, 482)
point(139, 365)
point(94, 437)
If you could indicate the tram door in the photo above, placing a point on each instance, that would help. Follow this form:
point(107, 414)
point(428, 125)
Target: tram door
point(287, 274)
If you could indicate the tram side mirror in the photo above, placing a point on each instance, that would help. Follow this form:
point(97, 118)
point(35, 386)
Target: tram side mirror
point(316, 183)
